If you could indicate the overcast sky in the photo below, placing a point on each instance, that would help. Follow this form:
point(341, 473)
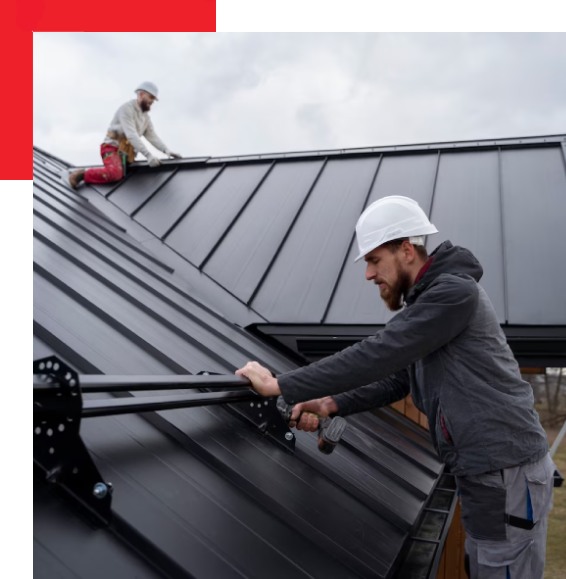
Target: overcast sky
point(250, 93)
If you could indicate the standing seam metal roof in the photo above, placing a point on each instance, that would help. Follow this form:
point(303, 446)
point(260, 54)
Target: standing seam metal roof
point(201, 492)
point(278, 232)
point(275, 232)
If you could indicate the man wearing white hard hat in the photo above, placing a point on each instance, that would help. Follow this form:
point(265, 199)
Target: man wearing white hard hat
point(123, 140)
point(446, 348)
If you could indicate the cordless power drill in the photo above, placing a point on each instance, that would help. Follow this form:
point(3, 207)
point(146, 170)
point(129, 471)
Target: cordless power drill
point(330, 430)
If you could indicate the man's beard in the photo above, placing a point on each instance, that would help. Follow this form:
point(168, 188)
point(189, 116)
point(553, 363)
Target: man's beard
point(395, 295)
point(144, 106)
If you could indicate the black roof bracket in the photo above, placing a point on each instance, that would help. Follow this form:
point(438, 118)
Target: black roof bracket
point(232, 391)
point(265, 415)
point(58, 408)
point(57, 445)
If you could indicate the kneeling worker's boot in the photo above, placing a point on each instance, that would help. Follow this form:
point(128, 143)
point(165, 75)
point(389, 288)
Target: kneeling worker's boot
point(76, 177)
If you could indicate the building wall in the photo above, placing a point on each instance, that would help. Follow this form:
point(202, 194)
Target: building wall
point(452, 562)
point(407, 408)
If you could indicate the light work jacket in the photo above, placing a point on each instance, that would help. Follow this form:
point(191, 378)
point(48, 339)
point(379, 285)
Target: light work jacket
point(130, 121)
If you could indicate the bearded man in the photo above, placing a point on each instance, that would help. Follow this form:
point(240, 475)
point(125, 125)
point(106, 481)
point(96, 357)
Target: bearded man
point(123, 140)
point(446, 348)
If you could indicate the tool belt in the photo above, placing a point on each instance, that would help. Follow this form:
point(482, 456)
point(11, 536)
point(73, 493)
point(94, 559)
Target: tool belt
point(124, 146)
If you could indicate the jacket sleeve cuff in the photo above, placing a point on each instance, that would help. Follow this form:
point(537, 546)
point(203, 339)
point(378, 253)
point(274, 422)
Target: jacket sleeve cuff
point(290, 393)
point(342, 401)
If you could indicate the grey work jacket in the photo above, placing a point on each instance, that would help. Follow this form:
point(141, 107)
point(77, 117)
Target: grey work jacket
point(447, 349)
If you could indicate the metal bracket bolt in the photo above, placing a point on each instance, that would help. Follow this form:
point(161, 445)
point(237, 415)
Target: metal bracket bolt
point(100, 490)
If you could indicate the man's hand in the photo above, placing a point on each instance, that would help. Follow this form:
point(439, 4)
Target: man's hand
point(153, 161)
point(305, 416)
point(261, 378)
point(174, 155)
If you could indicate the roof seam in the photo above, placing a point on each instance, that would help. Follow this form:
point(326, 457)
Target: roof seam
point(236, 344)
point(150, 197)
point(111, 321)
point(287, 233)
point(193, 203)
point(349, 247)
point(503, 235)
point(236, 217)
point(143, 307)
point(96, 236)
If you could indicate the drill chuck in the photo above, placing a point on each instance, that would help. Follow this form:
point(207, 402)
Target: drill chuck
point(330, 430)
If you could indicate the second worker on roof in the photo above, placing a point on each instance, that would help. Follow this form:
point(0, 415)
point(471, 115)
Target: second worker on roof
point(123, 140)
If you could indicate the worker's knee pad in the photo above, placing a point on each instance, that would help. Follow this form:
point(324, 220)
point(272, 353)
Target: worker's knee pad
point(115, 173)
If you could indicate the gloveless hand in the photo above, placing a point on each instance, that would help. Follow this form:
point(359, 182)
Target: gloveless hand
point(306, 415)
point(261, 378)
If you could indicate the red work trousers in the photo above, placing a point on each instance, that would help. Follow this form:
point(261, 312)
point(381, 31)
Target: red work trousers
point(113, 169)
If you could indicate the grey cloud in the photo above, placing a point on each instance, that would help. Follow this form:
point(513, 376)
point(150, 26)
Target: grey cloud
point(238, 93)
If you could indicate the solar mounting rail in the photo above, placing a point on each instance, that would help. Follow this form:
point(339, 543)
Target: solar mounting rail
point(59, 407)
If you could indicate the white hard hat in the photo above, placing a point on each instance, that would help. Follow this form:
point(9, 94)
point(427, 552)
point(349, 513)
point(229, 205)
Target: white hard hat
point(149, 87)
point(390, 218)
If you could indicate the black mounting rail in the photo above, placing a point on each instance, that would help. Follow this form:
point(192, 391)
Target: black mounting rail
point(58, 407)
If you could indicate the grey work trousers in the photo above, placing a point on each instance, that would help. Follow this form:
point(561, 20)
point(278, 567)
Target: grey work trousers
point(499, 546)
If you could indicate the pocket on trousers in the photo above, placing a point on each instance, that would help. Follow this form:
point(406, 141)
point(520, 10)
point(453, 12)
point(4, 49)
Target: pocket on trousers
point(483, 506)
point(540, 485)
point(496, 556)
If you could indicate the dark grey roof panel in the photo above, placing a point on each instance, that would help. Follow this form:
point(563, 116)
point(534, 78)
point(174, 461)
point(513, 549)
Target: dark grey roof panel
point(208, 501)
point(66, 547)
point(138, 188)
point(201, 229)
point(202, 492)
point(59, 194)
point(460, 183)
point(89, 306)
point(83, 224)
point(161, 212)
point(412, 176)
point(246, 251)
point(80, 326)
point(192, 281)
point(303, 275)
point(113, 290)
point(214, 488)
point(48, 166)
point(127, 305)
point(41, 349)
point(356, 300)
point(467, 211)
point(534, 209)
point(255, 230)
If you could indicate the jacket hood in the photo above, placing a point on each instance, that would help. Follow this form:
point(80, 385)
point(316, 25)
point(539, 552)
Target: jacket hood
point(451, 259)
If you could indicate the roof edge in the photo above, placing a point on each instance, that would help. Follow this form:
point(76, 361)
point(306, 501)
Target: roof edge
point(472, 144)
point(543, 140)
